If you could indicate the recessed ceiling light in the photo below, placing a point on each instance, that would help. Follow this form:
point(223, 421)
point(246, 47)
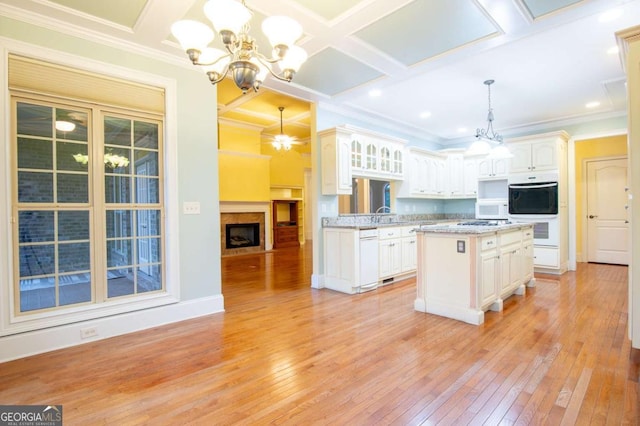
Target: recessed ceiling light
point(613, 50)
point(593, 104)
point(375, 93)
point(425, 114)
point(610, 15)
point(462, 129)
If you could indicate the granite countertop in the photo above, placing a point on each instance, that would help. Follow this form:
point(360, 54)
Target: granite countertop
point(369, 221)
point(470, 229)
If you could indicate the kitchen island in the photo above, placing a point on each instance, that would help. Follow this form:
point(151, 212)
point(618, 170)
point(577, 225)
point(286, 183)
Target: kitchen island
point(468, 268)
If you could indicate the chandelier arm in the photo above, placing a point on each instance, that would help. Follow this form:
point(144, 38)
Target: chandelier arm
point(197, 62)
point(266, 63)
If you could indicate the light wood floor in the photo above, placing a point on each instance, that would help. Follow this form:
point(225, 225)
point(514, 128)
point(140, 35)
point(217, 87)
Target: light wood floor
point(284, 353)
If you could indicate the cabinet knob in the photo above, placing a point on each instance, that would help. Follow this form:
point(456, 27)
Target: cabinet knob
point(592, 216)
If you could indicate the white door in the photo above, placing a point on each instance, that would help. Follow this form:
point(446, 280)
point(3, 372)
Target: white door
point(607, 222)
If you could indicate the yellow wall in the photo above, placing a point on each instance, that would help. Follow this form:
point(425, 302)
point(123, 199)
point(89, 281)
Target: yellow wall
point(248, 167)
point(613, 146)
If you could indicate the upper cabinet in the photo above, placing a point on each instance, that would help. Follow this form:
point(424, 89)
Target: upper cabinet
point(348, 152)
point(493, 168)
point(538, 153)
point(335, 155)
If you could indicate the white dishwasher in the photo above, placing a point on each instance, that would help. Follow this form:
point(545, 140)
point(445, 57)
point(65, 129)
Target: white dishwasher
point(368, 260)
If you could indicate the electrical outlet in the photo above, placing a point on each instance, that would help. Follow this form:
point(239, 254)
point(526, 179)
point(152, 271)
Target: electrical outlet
point(191, 207)
point(88, 332)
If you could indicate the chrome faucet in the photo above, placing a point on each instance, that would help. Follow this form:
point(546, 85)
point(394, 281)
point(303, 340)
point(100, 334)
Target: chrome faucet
point(380, 210)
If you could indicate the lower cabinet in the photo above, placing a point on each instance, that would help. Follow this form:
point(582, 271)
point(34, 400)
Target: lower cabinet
point(511, 263)
point(389, 252)
point(487, 273)
point(341, 261)
point(409, 252)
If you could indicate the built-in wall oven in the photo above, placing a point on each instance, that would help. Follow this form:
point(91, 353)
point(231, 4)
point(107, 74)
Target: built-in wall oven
point(534, 199)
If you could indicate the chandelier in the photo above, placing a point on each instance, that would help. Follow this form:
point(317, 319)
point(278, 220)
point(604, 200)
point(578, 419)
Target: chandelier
point(248, 67)
point(488, 141)
point(282, 141)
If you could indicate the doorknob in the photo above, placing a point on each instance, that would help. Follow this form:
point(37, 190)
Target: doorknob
point(592, 216)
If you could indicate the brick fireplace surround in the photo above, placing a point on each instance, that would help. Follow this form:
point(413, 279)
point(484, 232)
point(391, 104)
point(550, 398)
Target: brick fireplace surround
point(245, 212)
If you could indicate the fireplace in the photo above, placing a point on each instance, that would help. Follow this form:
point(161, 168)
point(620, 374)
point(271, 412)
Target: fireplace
point(242, 235)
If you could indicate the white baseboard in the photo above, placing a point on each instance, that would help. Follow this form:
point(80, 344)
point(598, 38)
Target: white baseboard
point(39, 341)
point(317, 281)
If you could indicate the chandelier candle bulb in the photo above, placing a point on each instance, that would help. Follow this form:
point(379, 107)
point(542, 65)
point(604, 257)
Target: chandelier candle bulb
point(249, 68)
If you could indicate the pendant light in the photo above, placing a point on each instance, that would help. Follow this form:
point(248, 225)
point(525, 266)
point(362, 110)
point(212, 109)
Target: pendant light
point(282, 141)
point(488, 141)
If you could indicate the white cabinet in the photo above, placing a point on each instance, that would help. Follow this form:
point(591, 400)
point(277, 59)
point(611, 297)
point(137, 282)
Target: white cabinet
point(335, 153)
point(535, 156)
point(527, 256)
point(470, 177)
point(409, 251)
point(511, 263)
point(389, 252)
point(493, 168)
point(487, 276)
point(356, 153)
point(456, 178)
point(341, 259)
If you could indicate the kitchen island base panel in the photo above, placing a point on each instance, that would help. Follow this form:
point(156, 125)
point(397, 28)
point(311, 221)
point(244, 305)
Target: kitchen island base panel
point(468, 315)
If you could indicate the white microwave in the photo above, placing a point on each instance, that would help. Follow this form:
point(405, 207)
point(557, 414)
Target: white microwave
point(492, 208)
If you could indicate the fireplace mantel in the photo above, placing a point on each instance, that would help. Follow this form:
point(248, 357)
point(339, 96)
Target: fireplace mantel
point(252, 207)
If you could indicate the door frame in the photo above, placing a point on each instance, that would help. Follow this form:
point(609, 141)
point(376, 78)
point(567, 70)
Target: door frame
point(583, 179)
point(571, 169)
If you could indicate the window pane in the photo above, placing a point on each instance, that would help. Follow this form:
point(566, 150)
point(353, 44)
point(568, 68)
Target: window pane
point(79, 121)
point(37, 260)
point(119, 253)
point(73, 225)
point(147, 191)
point(75, 288)
point(116, 160)
point(37, 293)
point(35, 120)
point(74, 257)
point(34, 187)
point(145, 135)
point(119, 224)
point(146, 163)
point(35, 226)
point(117, 131)
point(72, 156)
point(35, 154)
point(148, 223)
point(149, 279)
point(148, 250)
point(120, 282)
point(73, 188)
point(117, 189)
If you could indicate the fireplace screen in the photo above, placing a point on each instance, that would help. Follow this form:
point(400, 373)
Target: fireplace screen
point(242, 235)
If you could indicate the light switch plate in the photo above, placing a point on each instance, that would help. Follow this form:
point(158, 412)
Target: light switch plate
point(191, 207)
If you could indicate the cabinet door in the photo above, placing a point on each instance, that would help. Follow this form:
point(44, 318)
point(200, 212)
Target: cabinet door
point(344, 166)
point(385, 159)
point(409, 254)
point(397, 158)
point(544, 156)
point(521, 160)
point(487, 285)
point(441, 176)
point(500, 167)
point(527, 261)
point(455, 175)
point(356, 153)
point(370, 155)
point(485, 168)
point(470, 184)
point(389, 257)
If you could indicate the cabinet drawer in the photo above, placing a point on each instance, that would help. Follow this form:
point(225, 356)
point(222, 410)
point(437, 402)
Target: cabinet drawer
point(527, 235)
point(487, 243)
point(408, 231)
point(547, 257)
point(390, 232)
point(510, 237)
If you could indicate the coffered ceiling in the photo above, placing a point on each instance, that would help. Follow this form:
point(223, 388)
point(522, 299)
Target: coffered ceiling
point(415, 66)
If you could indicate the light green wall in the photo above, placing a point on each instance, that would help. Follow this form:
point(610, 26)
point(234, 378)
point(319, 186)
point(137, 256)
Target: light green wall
point(197, 174)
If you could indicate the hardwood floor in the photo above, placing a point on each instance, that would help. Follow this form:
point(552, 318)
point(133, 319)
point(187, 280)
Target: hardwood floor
point(284, 353)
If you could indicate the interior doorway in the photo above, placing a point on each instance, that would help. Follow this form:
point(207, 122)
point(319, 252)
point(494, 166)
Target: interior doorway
point(606, 221)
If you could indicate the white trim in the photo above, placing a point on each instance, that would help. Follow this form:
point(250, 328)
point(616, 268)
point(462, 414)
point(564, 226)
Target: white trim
point(571, 176)
point(252, 207)
point(317, 280)
point(39, 341)
point(10, 323)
